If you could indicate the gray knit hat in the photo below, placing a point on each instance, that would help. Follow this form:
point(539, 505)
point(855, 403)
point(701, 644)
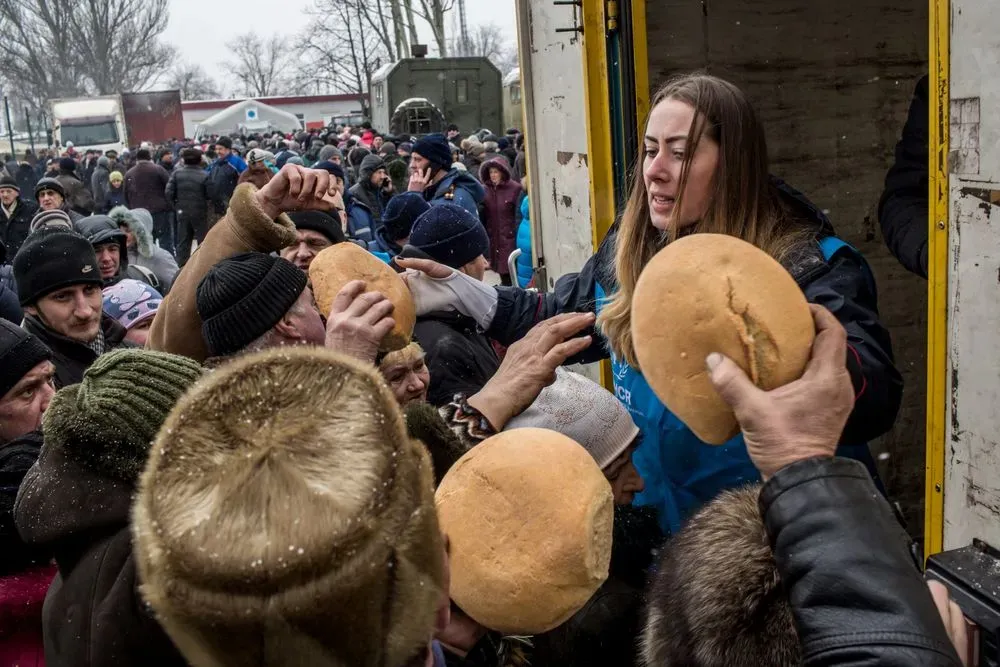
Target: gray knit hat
point(50, 219)
point(581, 409)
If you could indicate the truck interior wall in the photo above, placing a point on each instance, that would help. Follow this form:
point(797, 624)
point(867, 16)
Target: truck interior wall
point(832, 83)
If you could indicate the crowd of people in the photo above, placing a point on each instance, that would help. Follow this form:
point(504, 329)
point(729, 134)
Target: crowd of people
point(199, 467)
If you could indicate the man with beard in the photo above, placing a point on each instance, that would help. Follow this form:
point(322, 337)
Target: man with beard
point(59, 287)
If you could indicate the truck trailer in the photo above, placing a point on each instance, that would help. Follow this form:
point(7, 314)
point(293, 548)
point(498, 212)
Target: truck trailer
point(115, 122)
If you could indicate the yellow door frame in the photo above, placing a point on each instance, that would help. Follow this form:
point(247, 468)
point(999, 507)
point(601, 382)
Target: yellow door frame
point(937, 273)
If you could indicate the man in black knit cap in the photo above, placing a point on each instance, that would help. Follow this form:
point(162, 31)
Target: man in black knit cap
point(315, 231)
point(59, 287)
point(26, 373)
point(253, 301)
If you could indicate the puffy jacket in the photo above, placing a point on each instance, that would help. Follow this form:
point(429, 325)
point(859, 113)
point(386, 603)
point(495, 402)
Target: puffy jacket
point(459, 357)
point(844, 561)
point(15, 229)
point(681, 472)
point(145, 187)
point(500, 213)
point(188, 192)
point(145, 253)
point(525, 268)
point(902, 209)
point(457, 187)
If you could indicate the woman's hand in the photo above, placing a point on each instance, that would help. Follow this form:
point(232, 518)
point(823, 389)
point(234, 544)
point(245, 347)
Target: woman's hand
point(530, 365)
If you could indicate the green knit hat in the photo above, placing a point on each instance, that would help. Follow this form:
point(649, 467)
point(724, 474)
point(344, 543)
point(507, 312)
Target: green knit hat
point(108, 421)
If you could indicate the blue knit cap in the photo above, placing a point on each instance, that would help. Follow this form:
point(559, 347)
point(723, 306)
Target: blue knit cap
point(435, 148)
point(450, 235)
point(401, 212)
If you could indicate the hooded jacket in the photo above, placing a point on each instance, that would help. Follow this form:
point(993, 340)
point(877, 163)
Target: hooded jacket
point(680, 471)
point(525, 265)
point(70, 357)
point(100, 183)
point(457, 187)
point(375, 199)
point(145, 253)
point(101, 229)
point(93, 614)
point(500, 213)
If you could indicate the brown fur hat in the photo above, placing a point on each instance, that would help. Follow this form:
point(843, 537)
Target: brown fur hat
point(716, 598)
point(285, 518)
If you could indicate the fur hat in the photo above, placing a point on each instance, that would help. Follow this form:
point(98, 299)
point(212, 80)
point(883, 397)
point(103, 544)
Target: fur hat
point(108, 421)
point(139, 221)
point(716, 597)
point(285, 517)
point(585, 411)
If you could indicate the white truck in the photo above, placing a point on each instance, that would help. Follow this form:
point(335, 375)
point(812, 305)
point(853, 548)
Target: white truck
point(96, 123)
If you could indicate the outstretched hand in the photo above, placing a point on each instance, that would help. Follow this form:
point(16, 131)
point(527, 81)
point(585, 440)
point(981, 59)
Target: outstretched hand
point(530, 365)
point(296, 188)
point(428, 267)
point(801, 420)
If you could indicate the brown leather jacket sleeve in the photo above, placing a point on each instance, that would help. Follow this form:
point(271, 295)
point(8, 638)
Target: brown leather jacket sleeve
point(855, 591)
point(245, 228)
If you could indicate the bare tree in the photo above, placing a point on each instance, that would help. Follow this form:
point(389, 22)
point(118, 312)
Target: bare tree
point(193, 82)
point(342, 52)
point(66, 48)
point(487, 40)
point(433, 12)
point(263, 67)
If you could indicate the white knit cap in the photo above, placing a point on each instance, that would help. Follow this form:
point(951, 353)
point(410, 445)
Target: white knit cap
point(583, 410)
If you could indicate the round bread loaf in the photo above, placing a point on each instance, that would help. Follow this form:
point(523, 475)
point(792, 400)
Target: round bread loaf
point(341, 263)
point(709, 293)
point(529, 516)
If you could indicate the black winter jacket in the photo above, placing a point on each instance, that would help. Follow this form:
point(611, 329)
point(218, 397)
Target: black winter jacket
point(72, 358)
point(16, 458)
point(188, 192)
point(14, 230)
point(844, 560)
point(840, 284)
point(10, 305)
point(459, 358)
point(902, 209)
point(93, 613)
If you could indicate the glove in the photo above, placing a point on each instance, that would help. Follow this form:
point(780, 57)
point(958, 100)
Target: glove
point(458, 292)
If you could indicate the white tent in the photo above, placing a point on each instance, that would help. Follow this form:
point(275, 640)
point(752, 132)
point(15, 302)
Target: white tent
point(248, 116)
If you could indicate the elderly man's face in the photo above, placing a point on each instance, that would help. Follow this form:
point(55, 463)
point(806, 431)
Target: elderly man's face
point(8, 196)
point(22, 407)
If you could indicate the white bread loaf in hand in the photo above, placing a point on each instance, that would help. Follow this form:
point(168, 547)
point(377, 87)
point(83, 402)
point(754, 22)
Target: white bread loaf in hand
point(707, 293)
point(529, 516)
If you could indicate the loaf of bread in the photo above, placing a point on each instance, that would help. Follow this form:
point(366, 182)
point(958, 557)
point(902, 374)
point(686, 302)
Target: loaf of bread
point(709, 293)
point(529, 516)
point(341, 263)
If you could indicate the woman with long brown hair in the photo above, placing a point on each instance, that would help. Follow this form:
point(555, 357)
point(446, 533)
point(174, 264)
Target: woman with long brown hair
point(704, 168)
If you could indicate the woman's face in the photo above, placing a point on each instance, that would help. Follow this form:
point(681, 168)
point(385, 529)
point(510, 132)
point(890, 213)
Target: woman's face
point(664, 154)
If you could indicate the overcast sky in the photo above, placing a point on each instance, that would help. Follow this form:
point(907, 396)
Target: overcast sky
point(199, 29)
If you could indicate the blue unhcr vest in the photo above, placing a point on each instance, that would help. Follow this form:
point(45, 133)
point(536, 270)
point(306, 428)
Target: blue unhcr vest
point(681, 472)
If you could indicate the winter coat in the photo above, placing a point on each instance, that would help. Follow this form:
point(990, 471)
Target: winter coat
point(500, 208)
point(374, 198)
point(176, 327)
point(459, 188)
point(902, 209)
point(14, 230)
point(16, 458)
point(77, 196)
point(145, 252)
point(383, 246)
point(845, 565)
point(10, 305)
point(521, 166)
point(459, 358)
point(72, 358)
point(525, 267)
point(361, 224)
point(681, 472)
point(145, 187)
point(223, 176)
point(114, 198)
point(93, 614)
point(188, 192)
point(100, 183)
point(100, 230)
point(26, 180)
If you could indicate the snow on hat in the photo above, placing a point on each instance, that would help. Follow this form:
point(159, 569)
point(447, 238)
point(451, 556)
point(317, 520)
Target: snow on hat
point(51, 259)
point(49, 183)
point(20, 352)
point(401, 212)
point(131, 302)
point(581, 409)
point(51, 219)
point(450, 235)
point(355, 522)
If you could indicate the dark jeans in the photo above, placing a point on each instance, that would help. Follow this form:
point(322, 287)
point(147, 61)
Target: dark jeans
point(163, 230)
point(189, 228)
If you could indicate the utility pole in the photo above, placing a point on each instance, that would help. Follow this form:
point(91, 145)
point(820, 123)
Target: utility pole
point(10, 126)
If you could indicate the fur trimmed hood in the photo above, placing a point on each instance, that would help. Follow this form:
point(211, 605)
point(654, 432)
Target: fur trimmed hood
point(139, 221)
